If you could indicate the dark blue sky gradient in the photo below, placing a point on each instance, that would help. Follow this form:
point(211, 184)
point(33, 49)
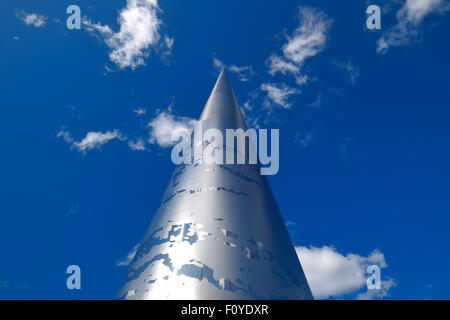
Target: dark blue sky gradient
point(376, 174)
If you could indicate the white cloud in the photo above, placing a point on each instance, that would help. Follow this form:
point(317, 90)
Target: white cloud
point(218, 64)
point(307, 40)
point(251, 118)
point(386, 285)
point(138, 145)
point(96, 140)
point(91, 140)
point(306, 140)
point(279, 64)
point(169, 44)
point(139, 30)
point(129, 257)
point(244, 73)
point(104, 30)
point(140, 111)
point(278, 94)
point(66, 135)
point(33, 19)
point(409, 17)
point(251, 113)
point(158, 131)
point(352, 72)
point(332, 274)
point(415, 10)
point(317, 102)
point(247, 106)
point(164, 124)
point(16, 38)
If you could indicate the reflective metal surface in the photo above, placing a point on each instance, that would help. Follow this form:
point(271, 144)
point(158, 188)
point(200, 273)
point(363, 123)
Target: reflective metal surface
point(218, 233)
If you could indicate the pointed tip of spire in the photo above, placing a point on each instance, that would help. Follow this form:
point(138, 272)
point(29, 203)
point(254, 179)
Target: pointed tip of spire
point(223, 73)
point(222, 102)
point(223, 78)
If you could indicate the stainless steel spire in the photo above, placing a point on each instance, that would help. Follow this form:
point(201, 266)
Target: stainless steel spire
point(218, 233)
point(222, 103)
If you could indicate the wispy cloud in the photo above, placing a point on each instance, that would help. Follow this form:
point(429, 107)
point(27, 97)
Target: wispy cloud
point(332, 274)
point(378, 294)
point(272, 97)
point(164, 124)
point(73, 209)
point(317, 103)
point(251, 117)
point(351, 71)
point(244, 73)
point(158, 131)
point(138, 145)
point(279, 64)
point(218, 64)
point(140, 111)
point(169, 43)
point(304, 140)
point(278, 94)
point(409, 18)
point(92, 140)
point(308, 39)
point(128, 258)
point(139, 30)
point(33, 19)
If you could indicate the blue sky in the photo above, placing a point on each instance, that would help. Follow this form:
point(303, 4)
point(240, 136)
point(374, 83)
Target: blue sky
point(363, 118)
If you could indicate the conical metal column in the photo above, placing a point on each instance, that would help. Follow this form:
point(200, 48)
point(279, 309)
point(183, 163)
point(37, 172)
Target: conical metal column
point(218, 233)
